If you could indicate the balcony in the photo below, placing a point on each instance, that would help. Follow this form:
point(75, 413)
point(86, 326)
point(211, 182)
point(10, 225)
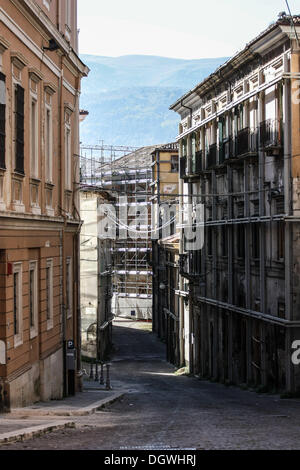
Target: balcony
point(246, 142)
point(225, 150)
point(183, 265)
point(242, 142)
point(190, 265)
point(211, 157)
point(271, 135)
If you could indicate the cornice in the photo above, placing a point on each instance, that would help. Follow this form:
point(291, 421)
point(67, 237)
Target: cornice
point(50, 88)
point(40, 16)
point(18, 59)
point(4, 44)
point(35, 74)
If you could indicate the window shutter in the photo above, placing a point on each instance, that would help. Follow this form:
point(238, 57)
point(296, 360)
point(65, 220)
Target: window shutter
point(2, 120)
point(19, 96)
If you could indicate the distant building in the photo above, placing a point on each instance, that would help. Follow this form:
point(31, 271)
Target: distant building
point(96, 277)
point(239, 157)
point(167, 301)
point(131, 176)
point(40, 74)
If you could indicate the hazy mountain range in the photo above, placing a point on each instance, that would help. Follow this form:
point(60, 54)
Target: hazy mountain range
point(128, 97)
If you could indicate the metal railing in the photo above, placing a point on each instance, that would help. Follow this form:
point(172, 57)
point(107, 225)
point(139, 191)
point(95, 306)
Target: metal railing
point(270, 133)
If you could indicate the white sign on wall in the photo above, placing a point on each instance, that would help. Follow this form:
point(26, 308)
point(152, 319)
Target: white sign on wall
point(2, 353)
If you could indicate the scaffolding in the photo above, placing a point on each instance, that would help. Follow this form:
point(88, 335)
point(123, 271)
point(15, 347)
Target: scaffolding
point(126, 171)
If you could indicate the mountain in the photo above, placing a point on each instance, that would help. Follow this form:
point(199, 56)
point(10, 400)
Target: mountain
point(128, 97)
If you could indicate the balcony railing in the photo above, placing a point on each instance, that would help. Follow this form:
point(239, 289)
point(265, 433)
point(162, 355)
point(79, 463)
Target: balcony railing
point(246, 141)
point(225, 150)
point(270, 134)
point(211, 157)
point(242, 142)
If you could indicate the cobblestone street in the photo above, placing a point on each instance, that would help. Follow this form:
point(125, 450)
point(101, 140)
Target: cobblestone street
point(162, 410)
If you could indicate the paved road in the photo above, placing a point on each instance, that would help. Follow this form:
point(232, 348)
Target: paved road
point(162, 410)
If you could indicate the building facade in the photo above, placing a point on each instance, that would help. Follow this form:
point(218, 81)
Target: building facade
point(239, 158)
point(40, 75)
point(96, 272)
point(165, 249)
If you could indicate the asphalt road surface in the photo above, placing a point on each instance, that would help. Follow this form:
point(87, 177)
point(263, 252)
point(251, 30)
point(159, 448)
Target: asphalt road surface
point(164, 411)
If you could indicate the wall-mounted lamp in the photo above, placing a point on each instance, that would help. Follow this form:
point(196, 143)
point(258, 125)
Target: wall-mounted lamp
point(53, 46)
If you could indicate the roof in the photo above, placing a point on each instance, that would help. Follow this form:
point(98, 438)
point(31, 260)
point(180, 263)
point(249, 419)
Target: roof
point(139, 159)
point(171, 242)
point(245, 55)
point(108, 195)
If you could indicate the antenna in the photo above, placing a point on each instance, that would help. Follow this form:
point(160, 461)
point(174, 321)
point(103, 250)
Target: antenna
point(292, 22)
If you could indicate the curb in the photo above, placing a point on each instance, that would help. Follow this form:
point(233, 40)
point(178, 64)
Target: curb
point(34, 431)
point(87, 410)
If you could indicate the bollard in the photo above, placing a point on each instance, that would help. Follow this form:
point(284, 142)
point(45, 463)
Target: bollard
point(92, 371)
point(108, 387)
point(101, 374)
point(96, 373)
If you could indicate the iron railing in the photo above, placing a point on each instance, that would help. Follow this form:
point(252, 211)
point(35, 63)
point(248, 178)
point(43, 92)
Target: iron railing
point(270, 133)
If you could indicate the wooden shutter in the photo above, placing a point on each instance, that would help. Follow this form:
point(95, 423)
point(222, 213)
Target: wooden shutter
point(19, 97)
point(2, 120)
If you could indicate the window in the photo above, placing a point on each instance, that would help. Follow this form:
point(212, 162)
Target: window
point(280, 241)
point(2, 120)
point(33, 298)
point(68, 163)
point(48, 144)
point(34, 137)
point(19, 129)
point(241, 241)
point(69, 295)
point(209, 240)
point(255, 241)
point(17, 304)
point(174, 164)
point(49, 293)
point(281, 309)
point(224, 241)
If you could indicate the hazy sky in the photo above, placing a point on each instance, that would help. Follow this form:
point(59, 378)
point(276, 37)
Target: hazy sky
point(188, 29)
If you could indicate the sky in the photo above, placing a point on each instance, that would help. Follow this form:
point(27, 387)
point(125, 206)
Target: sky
point(185, 29)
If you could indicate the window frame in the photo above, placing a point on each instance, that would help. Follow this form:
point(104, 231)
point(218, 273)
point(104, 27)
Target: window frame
point(69, 287)
point(33, 267)
point(3, 122)
point(48, 140)
point(34, 145)
point(18, 305)
point(68, 156)
point(18, 137)
point(49, 293)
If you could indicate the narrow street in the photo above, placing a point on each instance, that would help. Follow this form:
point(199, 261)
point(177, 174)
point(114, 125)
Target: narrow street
point(163, 411)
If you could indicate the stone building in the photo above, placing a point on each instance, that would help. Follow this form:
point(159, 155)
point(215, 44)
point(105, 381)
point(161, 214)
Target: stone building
point(40, 74)
point(167, 300)
point(239, 157)
point(96, 275)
